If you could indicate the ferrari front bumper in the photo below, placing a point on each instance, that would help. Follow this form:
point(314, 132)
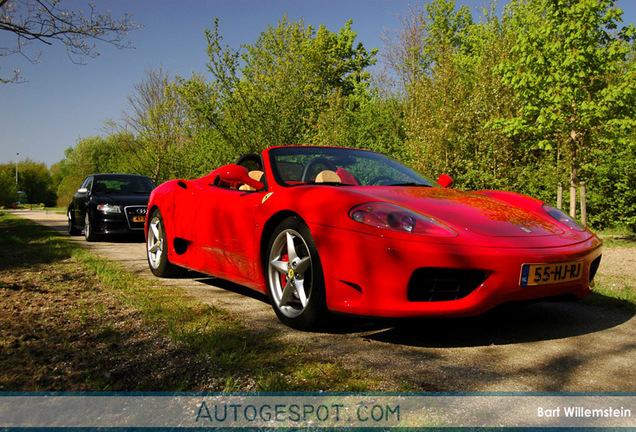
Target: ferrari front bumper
point(370, 275)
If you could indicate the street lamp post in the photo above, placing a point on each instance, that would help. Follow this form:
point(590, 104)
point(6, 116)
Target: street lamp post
point(16, 168)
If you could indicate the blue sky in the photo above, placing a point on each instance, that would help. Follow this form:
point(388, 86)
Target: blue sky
point(63, 102)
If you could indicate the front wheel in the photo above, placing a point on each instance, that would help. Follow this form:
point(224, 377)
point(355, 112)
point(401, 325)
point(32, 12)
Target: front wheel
point(156, 247)
point(295, 281)
point(89, 234)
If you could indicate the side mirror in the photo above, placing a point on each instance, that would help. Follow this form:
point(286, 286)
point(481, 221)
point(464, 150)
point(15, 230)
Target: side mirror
point(82, 191)
point(445, 181)
point(238, 174)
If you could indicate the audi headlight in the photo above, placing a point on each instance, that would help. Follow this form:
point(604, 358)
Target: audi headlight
point(108, 208)
point(396, 218)
point(563, 218)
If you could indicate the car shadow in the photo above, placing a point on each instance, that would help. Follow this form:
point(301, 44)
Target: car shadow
point(229, 286)
point(120, 238)
point(508, 324)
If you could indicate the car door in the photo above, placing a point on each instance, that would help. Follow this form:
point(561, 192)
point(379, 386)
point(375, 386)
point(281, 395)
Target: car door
point(223, 231)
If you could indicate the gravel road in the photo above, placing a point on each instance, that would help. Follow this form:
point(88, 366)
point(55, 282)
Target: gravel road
point(540, 347)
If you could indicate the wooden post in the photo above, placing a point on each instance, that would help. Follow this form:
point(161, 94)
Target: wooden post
point(560, 196)
point(573, 200)
point(583, 205)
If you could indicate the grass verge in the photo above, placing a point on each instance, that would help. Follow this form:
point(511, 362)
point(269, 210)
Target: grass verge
point(70, 321)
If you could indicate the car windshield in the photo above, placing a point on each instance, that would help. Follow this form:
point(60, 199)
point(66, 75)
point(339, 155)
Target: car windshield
point(293, 166)
point(125, 185)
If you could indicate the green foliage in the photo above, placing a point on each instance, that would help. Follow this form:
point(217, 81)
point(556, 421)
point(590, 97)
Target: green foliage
point(155, 134)
point(90, 155)
point(567, 72)
point(34, 179)
point(452, 99)
point(275, 91)
point(7, 186)
point(612, 190)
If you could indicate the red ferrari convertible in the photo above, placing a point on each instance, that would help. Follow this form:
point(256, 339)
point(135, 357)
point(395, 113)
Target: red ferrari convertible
point(326, 229)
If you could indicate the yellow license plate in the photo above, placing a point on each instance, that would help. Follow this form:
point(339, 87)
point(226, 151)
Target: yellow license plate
point(550, 273)
point(139, 218)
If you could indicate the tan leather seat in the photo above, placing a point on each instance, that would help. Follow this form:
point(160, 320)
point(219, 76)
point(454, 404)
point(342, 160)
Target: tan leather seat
point(255, 175)
point(327, 176)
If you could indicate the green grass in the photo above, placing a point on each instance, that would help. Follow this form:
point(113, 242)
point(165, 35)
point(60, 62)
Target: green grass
point(619, 236)
point(219, 353)
point(624, 299)
point(614, 292)
point(622, 231)
point(610, 241)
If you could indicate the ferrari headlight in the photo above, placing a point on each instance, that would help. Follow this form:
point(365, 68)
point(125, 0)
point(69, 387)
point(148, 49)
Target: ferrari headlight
point(109, 208)
point(396, 218)
point(563, 218)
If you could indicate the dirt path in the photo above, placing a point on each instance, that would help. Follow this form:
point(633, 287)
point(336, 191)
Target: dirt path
point(542, 347)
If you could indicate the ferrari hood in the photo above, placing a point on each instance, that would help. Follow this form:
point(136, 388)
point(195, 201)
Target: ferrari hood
point(467, 212)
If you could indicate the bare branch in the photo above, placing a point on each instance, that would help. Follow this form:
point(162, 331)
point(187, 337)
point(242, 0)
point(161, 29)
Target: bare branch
point(46, 21)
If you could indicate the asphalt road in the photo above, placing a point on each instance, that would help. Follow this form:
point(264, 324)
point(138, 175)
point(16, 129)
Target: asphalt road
point(540, 347)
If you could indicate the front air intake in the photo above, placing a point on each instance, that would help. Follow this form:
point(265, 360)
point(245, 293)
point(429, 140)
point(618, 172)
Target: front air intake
point(594, 269)
point(443, 284)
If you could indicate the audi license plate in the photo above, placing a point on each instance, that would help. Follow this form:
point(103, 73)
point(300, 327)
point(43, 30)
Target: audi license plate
point(139, 219)
point(551, 273)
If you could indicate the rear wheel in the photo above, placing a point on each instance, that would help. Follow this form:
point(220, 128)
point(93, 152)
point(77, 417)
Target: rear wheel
point(295, 280)
point(156, 247)
point(72, 229)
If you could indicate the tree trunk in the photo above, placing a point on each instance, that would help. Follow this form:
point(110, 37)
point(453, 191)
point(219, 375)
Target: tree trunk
point(573, 175)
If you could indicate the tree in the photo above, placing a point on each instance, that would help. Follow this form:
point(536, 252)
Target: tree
point(154, 132)
point(568, 72)
point(35, 179)
point(8, 189)
point(45, 21)
point(90, 155)
point(445, 62)
point(273, 91)
point(428, 33)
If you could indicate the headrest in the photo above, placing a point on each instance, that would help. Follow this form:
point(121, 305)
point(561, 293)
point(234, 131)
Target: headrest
point(327, 176)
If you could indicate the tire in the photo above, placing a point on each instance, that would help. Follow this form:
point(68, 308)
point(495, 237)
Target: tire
point(156, 248)
point(72, 229)
point(295, 280)
point(89, 233)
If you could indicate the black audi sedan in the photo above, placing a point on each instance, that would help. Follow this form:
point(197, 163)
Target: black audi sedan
point(109, 204)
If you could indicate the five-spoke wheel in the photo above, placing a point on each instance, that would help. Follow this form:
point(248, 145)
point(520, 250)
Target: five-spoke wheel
point(294, 276)
point(156, 247)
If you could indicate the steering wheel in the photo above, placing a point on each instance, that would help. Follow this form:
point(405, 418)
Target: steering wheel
point(250, 157)
point(379, 179)
point(319, 160)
